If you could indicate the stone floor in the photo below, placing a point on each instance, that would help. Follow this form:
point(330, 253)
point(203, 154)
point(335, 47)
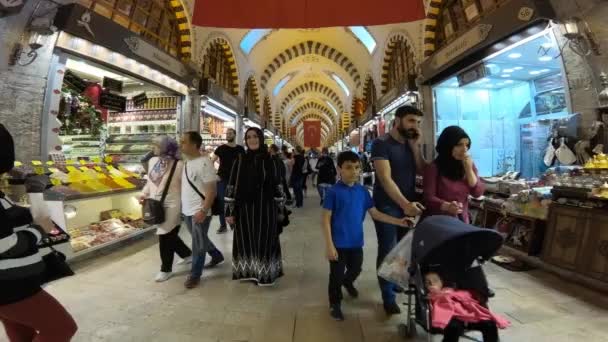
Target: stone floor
point(114, 298)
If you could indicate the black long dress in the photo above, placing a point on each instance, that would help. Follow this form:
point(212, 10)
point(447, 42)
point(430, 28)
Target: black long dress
point(254, 196)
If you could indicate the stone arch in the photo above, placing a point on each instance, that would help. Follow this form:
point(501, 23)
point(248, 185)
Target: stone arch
point(307, 48)
point(251, 86)
point(267, 111)
point(218, 38)
point(313, 86)
point(316, 115)
point(390, 45)
point(307, 106)
point(430, 26)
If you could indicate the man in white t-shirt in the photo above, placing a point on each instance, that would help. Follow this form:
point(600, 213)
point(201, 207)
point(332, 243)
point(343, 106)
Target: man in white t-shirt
point(198, 194)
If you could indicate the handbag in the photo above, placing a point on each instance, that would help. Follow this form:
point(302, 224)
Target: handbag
point(215, 207)
point(153, 211)
point(56, 267)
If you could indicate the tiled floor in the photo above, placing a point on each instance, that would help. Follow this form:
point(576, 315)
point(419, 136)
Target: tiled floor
point(114, 298)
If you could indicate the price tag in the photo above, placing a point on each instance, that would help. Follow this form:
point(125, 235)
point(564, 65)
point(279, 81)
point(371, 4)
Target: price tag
point(54, 170)
point(71, 168)
point(36, 162)
point(50, 163)
point(98, 169)
point(18, 163)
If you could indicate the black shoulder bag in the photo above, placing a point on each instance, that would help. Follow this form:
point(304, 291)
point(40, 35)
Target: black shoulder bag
point(152, 210)
point(215, 207)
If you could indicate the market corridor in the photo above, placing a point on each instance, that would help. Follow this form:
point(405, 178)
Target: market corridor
point(115, 298)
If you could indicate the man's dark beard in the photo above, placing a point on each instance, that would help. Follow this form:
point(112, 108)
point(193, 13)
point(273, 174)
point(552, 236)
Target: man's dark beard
point(409, 133)
point(230, 140)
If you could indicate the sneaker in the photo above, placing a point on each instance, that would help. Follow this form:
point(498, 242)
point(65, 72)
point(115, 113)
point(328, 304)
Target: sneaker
point(391, 309)
point(222, 230)
point(336, 312)
point(163, 276)
point(215, 262)
point(265, 284)
point(185, 261)
point(192, 282)
point(352, 291)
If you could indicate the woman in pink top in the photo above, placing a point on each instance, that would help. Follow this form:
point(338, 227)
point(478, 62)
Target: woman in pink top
point(452, 176)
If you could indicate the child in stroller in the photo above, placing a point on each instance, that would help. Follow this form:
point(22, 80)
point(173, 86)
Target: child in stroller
point(447, 251)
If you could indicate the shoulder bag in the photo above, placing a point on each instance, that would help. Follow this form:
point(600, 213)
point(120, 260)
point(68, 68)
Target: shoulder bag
point(153, 211)
point(215, 208)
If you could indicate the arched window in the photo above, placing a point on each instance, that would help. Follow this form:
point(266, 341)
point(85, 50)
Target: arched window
point(455, 17)
point(251, 100)
point(154, 20)
point(216, 66)
point(402, 65)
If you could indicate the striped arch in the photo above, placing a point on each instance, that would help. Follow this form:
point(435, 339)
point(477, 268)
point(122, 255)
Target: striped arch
point(307, 48)
point(310, 105)
point(313, 87)
point(430, 26)
point(252, 85)
point(231, 59)
point(387, 57)
point(185, 28)
point(267, 110)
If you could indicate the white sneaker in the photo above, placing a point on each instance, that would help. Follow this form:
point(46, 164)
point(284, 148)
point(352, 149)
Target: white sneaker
point(163, 276)
point(185, 261)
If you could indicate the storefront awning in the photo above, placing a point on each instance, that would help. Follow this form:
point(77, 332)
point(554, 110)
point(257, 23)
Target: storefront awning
point(304, 13)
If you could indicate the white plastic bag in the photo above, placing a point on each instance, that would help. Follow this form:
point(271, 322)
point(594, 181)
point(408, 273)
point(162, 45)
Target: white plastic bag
point(395, 266)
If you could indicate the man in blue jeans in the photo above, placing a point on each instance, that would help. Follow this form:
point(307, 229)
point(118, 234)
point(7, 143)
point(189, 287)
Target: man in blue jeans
point(198, 193)
point(397, 158)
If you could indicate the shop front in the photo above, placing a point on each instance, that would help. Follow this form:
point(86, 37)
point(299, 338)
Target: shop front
point(109, 94)
point(219, 112)
point(504, 80)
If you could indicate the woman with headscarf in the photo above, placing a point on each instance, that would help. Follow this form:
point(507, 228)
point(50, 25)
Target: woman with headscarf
point(452, 176)
point(159, 170)
point(27, 312)
point(254, 199)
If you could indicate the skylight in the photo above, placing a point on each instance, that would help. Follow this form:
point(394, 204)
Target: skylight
point(281, 84)
point(364, 36)
point(252, 38)
point(341, 83)
point(332, 107)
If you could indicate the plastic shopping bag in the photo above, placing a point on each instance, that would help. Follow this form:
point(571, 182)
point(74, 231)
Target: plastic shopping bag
point(395, 266)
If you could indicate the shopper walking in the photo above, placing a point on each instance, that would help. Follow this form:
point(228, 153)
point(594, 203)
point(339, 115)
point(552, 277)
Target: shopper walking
point(166, 173)
point(452, 176)
point(298, 176)
point(226, 154)
point(397, 159)
point(27, 312)
point(254, 199)
point(199, 189)
point(326, 177)
point(274, 153)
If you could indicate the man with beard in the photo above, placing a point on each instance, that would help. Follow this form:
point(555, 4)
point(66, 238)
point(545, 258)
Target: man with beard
point(227, 154)
point(397, 159)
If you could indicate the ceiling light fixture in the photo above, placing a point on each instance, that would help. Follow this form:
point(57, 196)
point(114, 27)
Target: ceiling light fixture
point(509, 81)
point(505, 75)
point(545, 59)
point(518, 68)
point(508, 71)
point(514, 55)
point(535, 72)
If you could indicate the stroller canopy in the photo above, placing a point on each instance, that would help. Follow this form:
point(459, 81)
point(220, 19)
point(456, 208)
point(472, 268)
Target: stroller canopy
point(447, 241)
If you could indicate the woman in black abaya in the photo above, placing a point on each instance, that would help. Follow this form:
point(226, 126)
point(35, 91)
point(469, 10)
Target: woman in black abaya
point(254, 197)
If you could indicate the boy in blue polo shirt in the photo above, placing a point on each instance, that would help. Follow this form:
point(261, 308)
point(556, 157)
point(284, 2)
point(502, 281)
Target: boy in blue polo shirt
point(345, 205)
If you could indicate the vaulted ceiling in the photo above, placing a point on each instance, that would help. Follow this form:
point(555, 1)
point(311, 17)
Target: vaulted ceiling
point(309, 74)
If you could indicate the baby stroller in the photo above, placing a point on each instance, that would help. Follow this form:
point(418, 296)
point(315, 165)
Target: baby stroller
point(456, 251)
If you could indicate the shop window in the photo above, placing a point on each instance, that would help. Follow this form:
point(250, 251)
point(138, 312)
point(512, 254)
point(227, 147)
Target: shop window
point(153, 20)
point(509, 114)
point(217, 67)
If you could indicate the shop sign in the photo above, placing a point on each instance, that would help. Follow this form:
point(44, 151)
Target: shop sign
point(79, 21)
point(140, 100)
point(112, 84)
point(219, 94)
point(472, 75)
point(113, 102)
point(74, 81)
point(8, 7)
point(462, 44)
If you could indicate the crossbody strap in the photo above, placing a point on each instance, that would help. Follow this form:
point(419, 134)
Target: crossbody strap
point(192, 185)
point(166, 189)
